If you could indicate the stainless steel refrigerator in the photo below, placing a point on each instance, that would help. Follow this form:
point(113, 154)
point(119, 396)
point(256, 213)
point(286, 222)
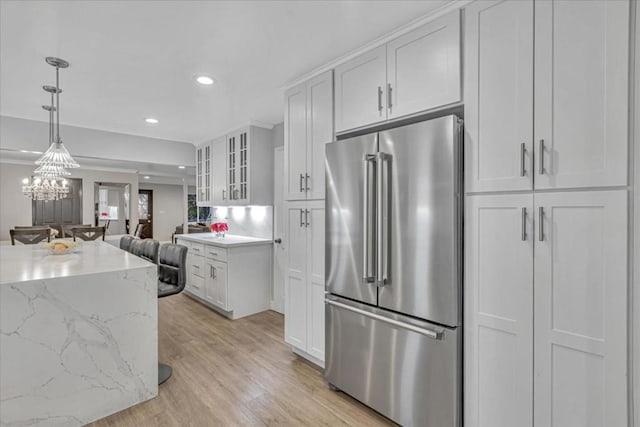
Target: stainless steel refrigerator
point(394, 271)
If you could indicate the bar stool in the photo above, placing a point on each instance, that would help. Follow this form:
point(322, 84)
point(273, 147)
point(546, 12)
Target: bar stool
point(172, 277)
point(125, 242)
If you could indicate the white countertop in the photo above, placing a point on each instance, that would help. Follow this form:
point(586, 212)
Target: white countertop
point(22, 263)
point(230, 240)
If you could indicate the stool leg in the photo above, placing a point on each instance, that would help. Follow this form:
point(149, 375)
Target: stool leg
point(164, 372)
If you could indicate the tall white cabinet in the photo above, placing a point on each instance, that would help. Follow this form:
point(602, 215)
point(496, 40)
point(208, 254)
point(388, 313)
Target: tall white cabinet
point(304, 286)
point(546, 271)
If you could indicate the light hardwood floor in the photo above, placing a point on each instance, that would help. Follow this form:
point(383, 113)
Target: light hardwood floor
point(236, 373)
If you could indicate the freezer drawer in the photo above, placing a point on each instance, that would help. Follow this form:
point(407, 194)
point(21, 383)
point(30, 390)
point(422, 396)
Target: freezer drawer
point(409, 372)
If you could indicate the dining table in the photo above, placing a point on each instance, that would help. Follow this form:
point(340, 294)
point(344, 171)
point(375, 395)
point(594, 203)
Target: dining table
point(78, 333)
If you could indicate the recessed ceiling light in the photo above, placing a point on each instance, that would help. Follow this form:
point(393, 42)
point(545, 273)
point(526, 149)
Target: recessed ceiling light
point(147, 177)
point(180, 167)
point(204, 80)
point(151, 120)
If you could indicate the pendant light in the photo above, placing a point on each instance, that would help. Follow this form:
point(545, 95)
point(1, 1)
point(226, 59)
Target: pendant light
point(51, 171)
point(57, 154)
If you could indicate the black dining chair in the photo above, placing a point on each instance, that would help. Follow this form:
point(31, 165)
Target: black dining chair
point(30, 235)
point(172, 277)
point(88, 233)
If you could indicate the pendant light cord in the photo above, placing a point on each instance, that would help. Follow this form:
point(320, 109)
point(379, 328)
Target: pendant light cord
point(58, 104)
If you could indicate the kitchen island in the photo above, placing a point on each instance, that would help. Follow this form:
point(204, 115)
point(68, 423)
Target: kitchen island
point(231, 274)
point(78, 334)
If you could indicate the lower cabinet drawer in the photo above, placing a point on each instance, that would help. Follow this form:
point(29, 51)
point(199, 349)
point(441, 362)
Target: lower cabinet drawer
point(196, 248)
point(195, 285)
point(215, 252)
point(196, 266)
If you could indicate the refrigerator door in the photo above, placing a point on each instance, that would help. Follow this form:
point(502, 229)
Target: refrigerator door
point(420, 220)
point(350, 218)
point(408, 370)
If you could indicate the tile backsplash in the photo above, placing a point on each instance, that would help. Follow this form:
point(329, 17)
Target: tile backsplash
point(253, 221)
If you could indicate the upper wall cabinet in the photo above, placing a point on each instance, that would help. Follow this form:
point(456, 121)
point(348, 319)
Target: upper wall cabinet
point(577, 135)
point(416, 72)
point(249, 167)
point(581, 93)
point(499, 95)
point(236, 169)
point(308, 126)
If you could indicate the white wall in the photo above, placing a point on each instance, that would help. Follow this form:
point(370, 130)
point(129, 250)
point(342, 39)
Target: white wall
point(15, 209)
point(278, 135)
point(32, 135)
point(168, 209)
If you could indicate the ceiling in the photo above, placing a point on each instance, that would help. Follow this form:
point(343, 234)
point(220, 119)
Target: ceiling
point(136, 59)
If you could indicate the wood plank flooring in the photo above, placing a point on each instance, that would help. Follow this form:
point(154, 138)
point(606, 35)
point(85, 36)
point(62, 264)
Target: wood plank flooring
point(236, 373)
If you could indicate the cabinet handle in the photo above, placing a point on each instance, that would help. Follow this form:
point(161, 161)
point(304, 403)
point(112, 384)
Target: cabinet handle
point(213, 269)
point(210, 271)
point(306, 182)
point(389, 97)
point(540, 225)
point(523, 150)
point(541, 159)
point(301, 219)
point(306, 217)
point(301, 185)
point(524, 224)
point(224, 194)
point(380, 99)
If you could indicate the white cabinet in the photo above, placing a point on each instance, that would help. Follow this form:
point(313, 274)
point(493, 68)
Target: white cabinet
point(249, 167)
point(581, 93)
point(219, 171)
point(580, 309)
point(576, 77)
point(574, 324)
point(308, 127)
point(499, 95)
point(304, 284)
point(219, 277)
point(203, 175)
point(416, 72)
point(498, 292)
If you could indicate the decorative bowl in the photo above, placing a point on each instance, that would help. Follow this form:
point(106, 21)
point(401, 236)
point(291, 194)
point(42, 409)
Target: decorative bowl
point(61, 246)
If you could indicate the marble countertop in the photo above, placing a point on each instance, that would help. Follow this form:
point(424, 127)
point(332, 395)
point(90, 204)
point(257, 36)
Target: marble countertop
point(230, 240)
point(23, 263)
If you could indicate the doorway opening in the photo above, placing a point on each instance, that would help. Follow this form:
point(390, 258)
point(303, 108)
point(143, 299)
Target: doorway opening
point(112, 206)
point(145, 211)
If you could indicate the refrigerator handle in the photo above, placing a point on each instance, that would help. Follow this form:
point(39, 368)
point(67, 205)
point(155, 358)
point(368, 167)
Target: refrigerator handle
point(382, 218)
point(367, 235)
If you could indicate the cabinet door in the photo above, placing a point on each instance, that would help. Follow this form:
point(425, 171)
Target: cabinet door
point(360, 89)
point(232, 166)
point(219, 172)
point(319, 131)
point(498, 289)
point(582, 100)
point(295, 142)
point(219, 273)
point(499, 95)
point(581, 309)
point(199, 175)
point(209, 291)
point(315, 278)
point(295, 295)
point(238, 167)
point(206, 173)
point(423, 67)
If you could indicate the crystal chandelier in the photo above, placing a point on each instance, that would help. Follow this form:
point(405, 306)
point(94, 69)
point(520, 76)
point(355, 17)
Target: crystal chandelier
point(57, 156)
point(53, 163)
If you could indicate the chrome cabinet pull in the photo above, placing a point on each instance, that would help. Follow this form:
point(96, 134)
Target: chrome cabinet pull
point(213, 272)
point(367, 234)
point(301, 219)
point(389, 97)
point(224, 194)
point(307, 177)
point(541, 159)
point(380, 99)
point(301, 185)
point(540, 225)
point(523, 150)
point(524, 224)
point(306, 217)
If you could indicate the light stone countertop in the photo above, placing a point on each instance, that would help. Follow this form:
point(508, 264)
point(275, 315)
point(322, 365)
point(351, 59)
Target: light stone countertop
point(23, 263)
point(228, 241)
